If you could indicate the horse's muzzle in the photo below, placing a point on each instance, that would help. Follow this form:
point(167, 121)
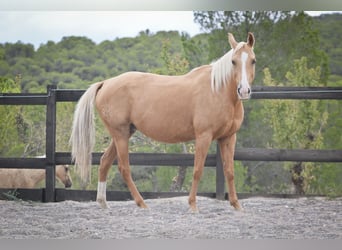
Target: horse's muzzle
point(244, 92)
point(68, 184)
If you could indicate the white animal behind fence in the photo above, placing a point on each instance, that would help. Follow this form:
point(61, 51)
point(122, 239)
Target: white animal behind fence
point(30, 178)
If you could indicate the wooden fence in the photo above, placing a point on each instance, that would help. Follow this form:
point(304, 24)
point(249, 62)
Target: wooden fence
point(52, 158)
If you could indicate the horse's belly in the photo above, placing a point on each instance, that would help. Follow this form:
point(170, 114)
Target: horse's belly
point(166, 129)
point(169, 138)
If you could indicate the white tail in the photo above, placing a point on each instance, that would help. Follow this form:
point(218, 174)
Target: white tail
point(82, 138)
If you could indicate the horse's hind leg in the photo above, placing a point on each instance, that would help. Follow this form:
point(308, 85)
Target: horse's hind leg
point(121, 143)
point(106, 162)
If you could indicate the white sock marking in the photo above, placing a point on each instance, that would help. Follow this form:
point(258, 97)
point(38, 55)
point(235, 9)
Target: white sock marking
point(101, 189)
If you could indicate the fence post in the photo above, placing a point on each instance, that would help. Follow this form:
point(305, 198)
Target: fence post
point(220, 194)
point(50, 147)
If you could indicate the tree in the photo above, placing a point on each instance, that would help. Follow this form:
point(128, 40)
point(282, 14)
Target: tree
point(274, 48)
point(303, 41)
point(195, 49)
point(18, 49)
point(11, 143)
point(219, 23)
point(297, 124)
point(328, 27)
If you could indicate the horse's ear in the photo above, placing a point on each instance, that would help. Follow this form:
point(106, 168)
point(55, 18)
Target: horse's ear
point(250, 39)
point(232, 41)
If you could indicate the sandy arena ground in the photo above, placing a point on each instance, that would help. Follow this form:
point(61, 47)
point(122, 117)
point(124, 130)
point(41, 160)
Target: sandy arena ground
point(262, 218)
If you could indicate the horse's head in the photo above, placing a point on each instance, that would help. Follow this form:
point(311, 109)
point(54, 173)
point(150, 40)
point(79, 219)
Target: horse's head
point(243, 64)
point(63, 174)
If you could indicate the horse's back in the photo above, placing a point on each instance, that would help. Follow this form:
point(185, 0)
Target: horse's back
point(166, 108)
point(13, 178)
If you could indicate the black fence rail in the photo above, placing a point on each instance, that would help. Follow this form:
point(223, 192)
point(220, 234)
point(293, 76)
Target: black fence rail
point(52, 158)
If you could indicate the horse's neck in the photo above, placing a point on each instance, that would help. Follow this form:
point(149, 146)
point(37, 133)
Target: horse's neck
point(35, 176)
point(60, 172)
point(229, 94)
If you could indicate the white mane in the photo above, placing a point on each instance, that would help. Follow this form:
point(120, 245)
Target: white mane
point(221, 69)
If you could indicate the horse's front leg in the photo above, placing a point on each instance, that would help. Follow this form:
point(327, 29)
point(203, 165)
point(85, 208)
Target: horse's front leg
point(201, 149)
point(227, 148)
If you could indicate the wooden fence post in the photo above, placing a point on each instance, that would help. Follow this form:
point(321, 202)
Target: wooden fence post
point(50, 147)
point(220, 194)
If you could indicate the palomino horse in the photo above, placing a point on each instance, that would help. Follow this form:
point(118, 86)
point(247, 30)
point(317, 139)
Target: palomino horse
point(204, 104)
point(29, 178)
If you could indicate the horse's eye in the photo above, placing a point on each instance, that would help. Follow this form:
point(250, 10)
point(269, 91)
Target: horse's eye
point(234, 62)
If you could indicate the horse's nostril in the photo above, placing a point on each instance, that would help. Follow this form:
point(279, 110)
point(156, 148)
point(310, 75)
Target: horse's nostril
point(249, 90)
point(68, 184)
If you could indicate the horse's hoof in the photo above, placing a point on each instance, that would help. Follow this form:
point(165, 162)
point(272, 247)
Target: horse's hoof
point(142, 205)
point(193, 205)
point(236, 206)
point(193, 208)
point(102, 203)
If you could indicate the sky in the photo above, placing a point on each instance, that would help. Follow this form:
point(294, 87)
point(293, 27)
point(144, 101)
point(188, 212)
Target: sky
point(39, 27)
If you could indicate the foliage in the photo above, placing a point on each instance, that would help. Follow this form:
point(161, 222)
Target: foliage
point(274, 47)
point(304, 120)
point(329, 30)
point(75, 62)
point(284, 113)
point(10, 133)
point(327, 180)
point(173, 64)
point(22, 128)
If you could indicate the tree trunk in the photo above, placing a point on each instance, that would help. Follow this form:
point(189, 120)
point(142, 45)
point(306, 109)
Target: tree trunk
point(178, 180)
point(297, 177)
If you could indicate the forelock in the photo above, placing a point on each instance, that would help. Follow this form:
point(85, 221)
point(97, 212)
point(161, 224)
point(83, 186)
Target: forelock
point(239, 46)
